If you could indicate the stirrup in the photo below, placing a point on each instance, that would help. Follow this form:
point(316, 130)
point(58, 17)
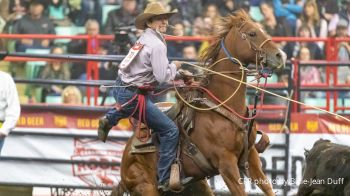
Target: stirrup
point(185, 181)
point(165, 187)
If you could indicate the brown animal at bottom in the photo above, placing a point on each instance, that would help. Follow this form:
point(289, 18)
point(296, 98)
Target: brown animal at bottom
point(327, 170)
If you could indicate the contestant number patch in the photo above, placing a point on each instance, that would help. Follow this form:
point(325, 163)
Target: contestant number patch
point(131, 55)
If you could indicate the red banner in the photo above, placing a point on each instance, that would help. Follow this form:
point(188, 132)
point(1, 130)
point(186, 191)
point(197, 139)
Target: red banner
point(310, 123)
point(44, 118)
point(300, 123)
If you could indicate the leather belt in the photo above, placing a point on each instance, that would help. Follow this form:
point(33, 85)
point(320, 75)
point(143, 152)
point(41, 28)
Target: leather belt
point(130, 88)
point(144, 88)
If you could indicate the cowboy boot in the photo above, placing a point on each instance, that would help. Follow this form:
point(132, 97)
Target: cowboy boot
point(103, 129)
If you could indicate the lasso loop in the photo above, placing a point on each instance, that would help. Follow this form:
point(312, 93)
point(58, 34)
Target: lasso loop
point(223, 102)
point(266, 91)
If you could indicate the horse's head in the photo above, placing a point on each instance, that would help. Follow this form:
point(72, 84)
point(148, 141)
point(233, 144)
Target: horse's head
point(245, 40)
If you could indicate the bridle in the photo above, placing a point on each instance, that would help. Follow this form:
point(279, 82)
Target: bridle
point(261, 55)
point(259, 51)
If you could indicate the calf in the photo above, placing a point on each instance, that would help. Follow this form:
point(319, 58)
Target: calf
point(327, 170)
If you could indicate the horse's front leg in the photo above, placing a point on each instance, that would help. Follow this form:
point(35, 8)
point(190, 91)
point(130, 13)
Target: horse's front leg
point(257, 174)
point(229, 171)
point(198, 188)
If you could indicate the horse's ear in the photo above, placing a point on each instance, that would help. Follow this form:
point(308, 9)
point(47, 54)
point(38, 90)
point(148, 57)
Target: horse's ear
point(239, 22)
point(235, 13)
point(239, 18)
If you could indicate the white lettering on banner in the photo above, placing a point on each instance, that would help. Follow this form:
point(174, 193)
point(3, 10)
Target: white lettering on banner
point(131, 55)
point(96, 174)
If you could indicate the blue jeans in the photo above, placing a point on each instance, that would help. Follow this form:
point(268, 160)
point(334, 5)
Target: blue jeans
point(156, 120)
point(2, 140)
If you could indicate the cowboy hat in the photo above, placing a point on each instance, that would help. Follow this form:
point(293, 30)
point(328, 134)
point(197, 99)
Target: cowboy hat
point(151, 10)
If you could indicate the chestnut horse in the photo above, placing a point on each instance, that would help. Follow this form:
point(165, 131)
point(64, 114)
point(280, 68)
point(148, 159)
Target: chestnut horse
point(219, 139)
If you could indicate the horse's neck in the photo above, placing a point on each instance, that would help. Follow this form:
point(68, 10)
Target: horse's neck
point(223, 87)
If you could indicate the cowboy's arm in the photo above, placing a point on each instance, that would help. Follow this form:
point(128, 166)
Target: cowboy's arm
point(13, 109)
point(163, 71)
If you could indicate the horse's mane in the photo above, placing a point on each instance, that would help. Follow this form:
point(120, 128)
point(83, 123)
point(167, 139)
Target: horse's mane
point(222, 27)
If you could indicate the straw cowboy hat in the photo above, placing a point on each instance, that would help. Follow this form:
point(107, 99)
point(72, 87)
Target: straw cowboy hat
point(152, 9)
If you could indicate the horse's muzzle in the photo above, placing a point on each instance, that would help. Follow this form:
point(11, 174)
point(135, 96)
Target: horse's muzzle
point(276, 60)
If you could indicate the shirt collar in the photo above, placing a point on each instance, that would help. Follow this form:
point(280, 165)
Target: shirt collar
point(157, 34)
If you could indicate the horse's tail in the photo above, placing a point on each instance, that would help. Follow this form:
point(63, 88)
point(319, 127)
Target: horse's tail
point(119, 190)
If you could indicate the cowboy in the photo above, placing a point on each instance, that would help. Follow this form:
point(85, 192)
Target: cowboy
point(147, 64)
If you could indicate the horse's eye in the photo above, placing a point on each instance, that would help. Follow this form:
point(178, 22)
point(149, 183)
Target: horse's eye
point(252, 34)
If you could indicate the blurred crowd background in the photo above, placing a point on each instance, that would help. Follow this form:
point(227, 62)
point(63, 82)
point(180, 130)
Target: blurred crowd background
point(279, 18)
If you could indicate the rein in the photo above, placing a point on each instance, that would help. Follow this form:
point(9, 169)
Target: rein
point(264, 73)
point(221, 102)
point(142, 91)
point(269, 92)
point(228, 54)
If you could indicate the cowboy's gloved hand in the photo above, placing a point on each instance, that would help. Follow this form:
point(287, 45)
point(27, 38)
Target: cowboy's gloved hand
point(178, 64)
point(185, 73)
point(186, 76)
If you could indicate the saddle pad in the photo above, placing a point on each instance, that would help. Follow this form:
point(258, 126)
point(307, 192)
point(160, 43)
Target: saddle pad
point(138, 147)
point(144, 150)
point(138, 144)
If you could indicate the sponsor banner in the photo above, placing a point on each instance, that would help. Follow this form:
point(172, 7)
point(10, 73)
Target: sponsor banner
point(64, 119)
point(314, 123)
point(300, 123)
point(96, 175)
point(310, 123)
point(45, 160)
point(55, 174)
